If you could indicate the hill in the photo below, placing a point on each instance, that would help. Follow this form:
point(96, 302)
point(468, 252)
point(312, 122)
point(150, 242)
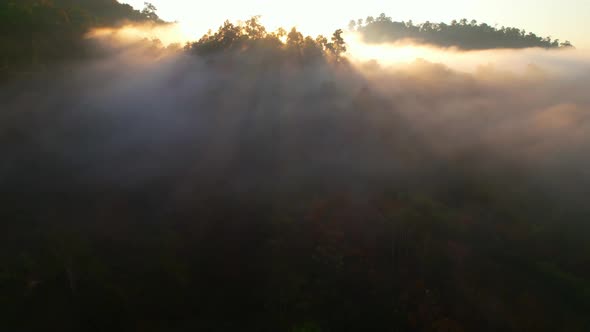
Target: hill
point(35, 33)
point(461, 34)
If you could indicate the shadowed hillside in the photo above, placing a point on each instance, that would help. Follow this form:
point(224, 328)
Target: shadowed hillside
point(460, 34)
point(37, 33)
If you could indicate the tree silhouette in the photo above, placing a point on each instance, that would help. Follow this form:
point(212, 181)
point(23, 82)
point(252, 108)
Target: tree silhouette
point(35, 34)
point(149, 11)
point(462, 34)
point(251, 36)
point(338, 46)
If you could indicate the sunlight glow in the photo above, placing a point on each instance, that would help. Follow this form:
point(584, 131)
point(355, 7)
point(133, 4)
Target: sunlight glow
point(390, 54)
point(523, 61)
point(169, 34)
point(323, 17)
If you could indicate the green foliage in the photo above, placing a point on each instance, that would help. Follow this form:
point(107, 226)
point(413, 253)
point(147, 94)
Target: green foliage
point(463, 34)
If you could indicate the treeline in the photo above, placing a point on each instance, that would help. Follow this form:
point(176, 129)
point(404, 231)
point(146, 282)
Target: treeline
point(463, 34)
point(35, 33)
point(39, 33)
point(252, 37)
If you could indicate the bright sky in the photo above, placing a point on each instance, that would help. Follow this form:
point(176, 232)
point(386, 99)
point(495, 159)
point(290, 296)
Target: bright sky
point(563, 19)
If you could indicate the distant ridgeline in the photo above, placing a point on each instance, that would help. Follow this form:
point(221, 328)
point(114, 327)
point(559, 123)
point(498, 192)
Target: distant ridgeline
point(35, 33)
point(460, 34)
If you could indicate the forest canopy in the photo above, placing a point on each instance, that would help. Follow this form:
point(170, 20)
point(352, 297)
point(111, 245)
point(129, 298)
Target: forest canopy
point(252, 36)
point(462, 34)
point(36, 33)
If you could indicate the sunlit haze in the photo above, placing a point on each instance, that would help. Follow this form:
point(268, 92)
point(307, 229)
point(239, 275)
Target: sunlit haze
point(566, 19)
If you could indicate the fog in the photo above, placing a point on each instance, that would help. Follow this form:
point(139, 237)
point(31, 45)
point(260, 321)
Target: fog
point(149, 185)
point(144, 112)
point(163, 34)
point(565, 61)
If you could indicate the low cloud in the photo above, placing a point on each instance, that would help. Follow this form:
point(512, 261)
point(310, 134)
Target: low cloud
point(149, 116)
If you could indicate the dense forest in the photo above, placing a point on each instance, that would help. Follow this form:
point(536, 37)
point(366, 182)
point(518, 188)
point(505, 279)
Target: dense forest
point(257, 180)
point(252, 39)
point(462, 34)
point(37, 33)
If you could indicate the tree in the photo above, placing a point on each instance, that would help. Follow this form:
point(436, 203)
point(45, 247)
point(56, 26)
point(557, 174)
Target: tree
point(149, 11)
point(383, 18)
point(426, 26)
point(254, 29)
point(322, 41)
point(281, 32)
point(566, 44)
point(352, 25)
point(294, 38)
point(463, 34)
point(338, 46)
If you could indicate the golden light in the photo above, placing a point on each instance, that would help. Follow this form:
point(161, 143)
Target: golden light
point(166, 34)
point(389, 53)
